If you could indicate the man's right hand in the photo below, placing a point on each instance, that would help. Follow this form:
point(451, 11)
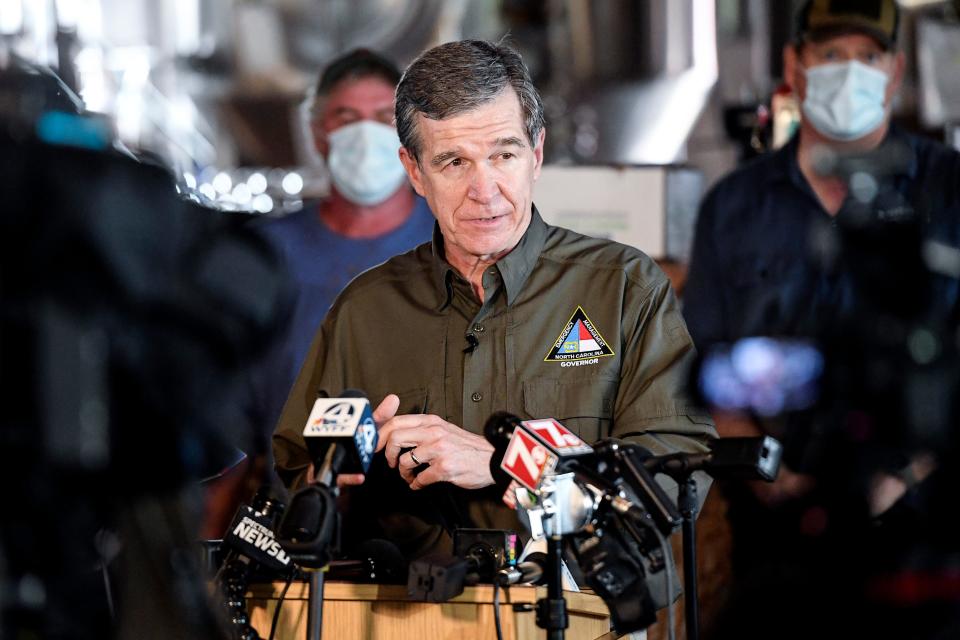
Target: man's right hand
point(384, 411)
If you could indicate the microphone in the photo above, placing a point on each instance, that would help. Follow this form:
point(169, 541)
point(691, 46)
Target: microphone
point(251, 534)
point(746, 458)
point(477, 556)
point(536, 448)
point(252, 544)
point(472, 343)
point(341, 435)
point(530, 571)
point(498, 430)
point(380, 562)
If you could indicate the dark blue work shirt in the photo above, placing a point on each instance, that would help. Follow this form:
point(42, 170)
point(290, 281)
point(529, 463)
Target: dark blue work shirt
point(751, 265)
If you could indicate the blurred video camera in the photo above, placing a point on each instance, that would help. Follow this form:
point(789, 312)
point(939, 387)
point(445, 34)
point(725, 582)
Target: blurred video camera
point(126, 312)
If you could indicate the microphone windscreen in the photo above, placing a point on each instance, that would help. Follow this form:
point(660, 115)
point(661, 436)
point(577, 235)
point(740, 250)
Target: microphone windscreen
point(389, 565)
point(499, 427)
point(497, 430)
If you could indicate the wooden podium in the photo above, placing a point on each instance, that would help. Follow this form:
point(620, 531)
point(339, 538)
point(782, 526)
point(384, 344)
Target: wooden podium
point(384, 612)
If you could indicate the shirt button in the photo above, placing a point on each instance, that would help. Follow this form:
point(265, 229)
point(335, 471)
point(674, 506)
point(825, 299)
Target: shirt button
point(477, 396)
point(478, 328)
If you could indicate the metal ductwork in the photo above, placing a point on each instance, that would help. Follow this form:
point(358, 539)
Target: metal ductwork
point(632, 77)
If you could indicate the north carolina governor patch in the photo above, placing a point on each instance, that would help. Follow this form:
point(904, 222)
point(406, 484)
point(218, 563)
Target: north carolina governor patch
point(579, 340)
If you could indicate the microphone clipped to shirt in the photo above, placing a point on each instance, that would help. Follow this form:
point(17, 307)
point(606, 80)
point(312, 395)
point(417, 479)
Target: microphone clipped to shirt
point(472, 342)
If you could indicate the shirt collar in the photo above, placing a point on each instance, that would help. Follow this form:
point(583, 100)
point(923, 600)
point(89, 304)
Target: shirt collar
point(514, 268)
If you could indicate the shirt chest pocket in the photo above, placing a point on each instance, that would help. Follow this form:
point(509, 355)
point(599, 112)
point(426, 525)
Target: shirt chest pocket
point(584, 406)
point(425, 399)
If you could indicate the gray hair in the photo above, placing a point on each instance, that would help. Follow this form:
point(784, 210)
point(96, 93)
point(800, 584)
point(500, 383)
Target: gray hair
point(458, 77)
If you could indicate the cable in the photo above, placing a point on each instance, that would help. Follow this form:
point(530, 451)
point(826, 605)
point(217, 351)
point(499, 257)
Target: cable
point(108, 589)
point(276, 612)
point(496, 609)
point(668, 557)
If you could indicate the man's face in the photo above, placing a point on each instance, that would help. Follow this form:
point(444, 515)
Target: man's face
point(845, 48)
point(476, 172)
point(352, 100)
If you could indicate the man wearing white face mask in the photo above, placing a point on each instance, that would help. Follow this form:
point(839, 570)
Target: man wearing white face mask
point(752, 261)
point(370, 215)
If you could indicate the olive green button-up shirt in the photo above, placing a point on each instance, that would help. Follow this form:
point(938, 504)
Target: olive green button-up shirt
point(583, 330)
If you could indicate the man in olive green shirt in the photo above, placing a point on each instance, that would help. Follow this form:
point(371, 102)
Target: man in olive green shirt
point(500, 312)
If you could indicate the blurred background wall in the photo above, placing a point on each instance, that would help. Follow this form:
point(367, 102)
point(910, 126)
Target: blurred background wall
point(215, 88)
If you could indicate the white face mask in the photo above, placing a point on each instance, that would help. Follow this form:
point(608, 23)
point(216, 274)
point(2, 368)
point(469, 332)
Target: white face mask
point(845, 99)
point(364, 162)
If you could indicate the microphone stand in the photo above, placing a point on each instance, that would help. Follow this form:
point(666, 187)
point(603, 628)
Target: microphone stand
point(315, 605)
point(749, 458)
point(552, 610)
point(327, 477)
point(687, 505)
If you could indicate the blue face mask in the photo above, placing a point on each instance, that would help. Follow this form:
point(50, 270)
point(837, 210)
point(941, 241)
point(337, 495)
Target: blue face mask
point(845, 100)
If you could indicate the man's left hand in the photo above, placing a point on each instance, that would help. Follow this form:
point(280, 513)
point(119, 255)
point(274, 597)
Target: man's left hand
point(451, 453)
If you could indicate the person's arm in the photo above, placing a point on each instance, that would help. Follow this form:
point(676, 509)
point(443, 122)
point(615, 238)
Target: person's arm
point(320, 366)
point(653, 404)
point(704, 307)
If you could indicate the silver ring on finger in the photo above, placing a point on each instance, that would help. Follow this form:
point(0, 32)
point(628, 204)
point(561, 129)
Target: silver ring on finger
point(414, 458)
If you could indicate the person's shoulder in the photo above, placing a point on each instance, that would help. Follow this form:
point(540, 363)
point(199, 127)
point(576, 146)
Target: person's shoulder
point(936, 159)
point(564, 246)
point(749, 177)
point(404, 268)
point(277, 227)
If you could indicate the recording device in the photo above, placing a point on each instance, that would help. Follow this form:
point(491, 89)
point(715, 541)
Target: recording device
point(340, 435)
point(479, 555)
point(604, 503)
point(124, 317)
point(600, 500)
point(252, 546)
point(615, 570)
